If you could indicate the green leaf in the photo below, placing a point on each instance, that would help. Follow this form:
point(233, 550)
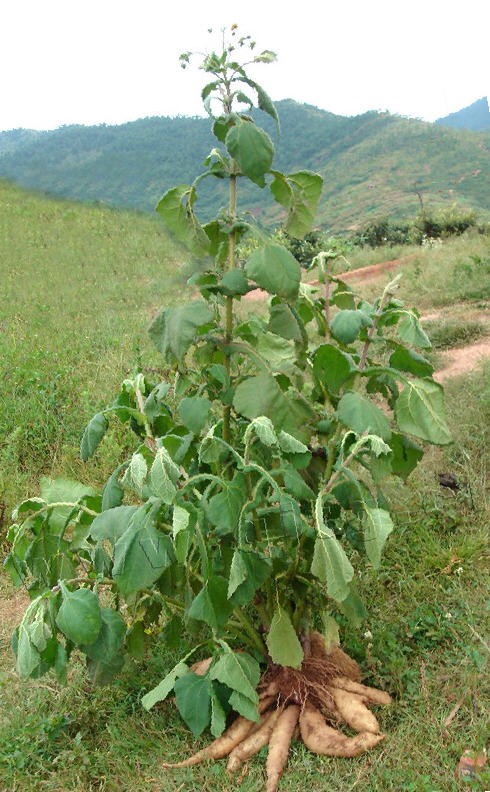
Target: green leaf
point(175, 207)
point(330, 563)
point(225, 507)
point(174, 329)
point(234, 283)
point(404, 359)
point(28, 657)
point(252, 149)
point(261, 395)
point(135, 475)
point(62, 490)
point(331, 367)
point(264, 429)
point(282, 642)
point(299, 192)
point(406, 455)
point(113, 493)
point(161, 691)
point(353, 607)
point(182, 533)
point(275, 269)
point(92, 436)
point(161, 480)
point(361, 415)
point(377, 527)
point(112, 523)
point(79, 616)
point(411, 332)
point(218, 716)
point(289, 444)
point(141, 554)
point(240, 672)
point(193, 699)
point(194, 411)
point(248, 572)
point(346, 325)
point(419, 410)
point(211, 605)
point(106, 654)
point(244, 706)
point(283, 322)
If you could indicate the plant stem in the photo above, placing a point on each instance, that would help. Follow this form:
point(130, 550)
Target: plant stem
point(250, 630)
point(229, 300)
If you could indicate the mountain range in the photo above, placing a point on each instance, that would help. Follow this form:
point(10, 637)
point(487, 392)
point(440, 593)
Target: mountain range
point(375, 164)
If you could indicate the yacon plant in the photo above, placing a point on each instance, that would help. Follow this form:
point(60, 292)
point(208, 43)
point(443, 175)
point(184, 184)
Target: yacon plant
point(254, 494)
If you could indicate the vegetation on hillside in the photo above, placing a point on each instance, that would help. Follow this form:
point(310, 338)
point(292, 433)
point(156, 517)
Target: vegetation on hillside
point(373, 164)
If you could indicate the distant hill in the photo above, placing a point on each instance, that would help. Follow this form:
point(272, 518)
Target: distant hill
point(373, 164)
point(476, 117)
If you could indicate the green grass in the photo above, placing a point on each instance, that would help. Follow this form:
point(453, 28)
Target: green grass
point(79, 286)
point(86, 283)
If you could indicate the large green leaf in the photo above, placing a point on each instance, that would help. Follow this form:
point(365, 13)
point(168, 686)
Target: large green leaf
point(347, 324)
point(135, 475)
point(419, 410)
point(252, 149)
point(275, 269)
point(225, 507)
point(331, 367)
point(404, 359)
point(163, 475)
point(141, 554)
point(361, 415)
point(262, 396)
point(161, 691)
point(175, 207)
point(299, 193)
point(112, 523)
point(62, 490)
point(106, 656)
point(212, 605)
point(92, 436)
point(377, 527)
point(193, 699)
point(411, 332)
point(406, 455)
point(282, 642)
point(240, 672)
point(283, 322)
point(247, 573)
point(79, 616)
point(194, 411)
point(330, 563)
point(174, 329)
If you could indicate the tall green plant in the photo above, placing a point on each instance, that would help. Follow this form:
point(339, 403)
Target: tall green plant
point(255, 488)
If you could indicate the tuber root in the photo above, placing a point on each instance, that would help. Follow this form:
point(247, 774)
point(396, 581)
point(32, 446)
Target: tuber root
point(325, 740)
point(279, 745)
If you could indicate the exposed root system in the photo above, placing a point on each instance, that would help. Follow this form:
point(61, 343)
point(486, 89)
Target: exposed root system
point(323, 693)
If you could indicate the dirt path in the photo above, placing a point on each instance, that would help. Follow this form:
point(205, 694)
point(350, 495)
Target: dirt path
point(461, 360)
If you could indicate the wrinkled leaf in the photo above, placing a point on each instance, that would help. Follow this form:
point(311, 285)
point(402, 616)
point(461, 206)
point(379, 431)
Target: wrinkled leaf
point(275, 269)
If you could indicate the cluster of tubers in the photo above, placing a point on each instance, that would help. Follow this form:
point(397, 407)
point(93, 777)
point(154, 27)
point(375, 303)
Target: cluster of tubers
point(311, 701)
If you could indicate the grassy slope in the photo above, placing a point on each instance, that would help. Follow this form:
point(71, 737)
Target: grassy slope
point(79, 286)
point(84, 283)
point(373, 164)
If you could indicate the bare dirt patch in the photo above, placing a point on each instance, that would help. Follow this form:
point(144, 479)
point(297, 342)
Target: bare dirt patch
point(463, 359)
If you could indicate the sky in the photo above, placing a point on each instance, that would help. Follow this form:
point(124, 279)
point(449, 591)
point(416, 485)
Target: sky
point(112, 61)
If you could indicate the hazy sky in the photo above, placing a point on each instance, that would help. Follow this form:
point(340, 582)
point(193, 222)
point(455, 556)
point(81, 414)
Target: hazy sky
point(110, 61)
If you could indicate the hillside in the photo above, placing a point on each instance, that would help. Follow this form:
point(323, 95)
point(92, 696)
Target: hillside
point(476, 117)
point(373, 164)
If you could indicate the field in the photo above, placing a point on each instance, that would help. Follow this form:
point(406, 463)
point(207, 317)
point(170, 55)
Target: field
point(80, 285)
